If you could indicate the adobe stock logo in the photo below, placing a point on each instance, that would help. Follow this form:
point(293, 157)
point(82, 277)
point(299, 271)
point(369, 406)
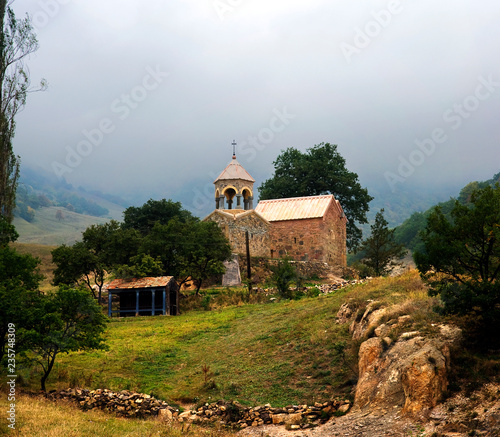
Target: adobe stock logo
point(122, 107)
point(454, 118)
point(371, 30)
point(224, 7)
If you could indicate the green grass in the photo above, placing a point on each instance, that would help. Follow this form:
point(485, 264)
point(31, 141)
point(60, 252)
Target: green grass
point(286, 352)
point(282, 353)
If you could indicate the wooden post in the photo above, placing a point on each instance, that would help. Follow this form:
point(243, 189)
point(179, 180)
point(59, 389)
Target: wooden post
point(249, 267)
point(164, 297)
point(136, 303)
point(153, 302)
point(110, 298)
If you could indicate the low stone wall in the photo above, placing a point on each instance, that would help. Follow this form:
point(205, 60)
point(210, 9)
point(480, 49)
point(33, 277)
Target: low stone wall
point(294, 416)
point(123, 403)
point(132, 404)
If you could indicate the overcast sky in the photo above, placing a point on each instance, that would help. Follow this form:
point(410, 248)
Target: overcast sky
point(146, 97)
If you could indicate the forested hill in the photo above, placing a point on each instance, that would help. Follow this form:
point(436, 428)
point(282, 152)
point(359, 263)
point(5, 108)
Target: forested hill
point(52, 211)
point(407, 233)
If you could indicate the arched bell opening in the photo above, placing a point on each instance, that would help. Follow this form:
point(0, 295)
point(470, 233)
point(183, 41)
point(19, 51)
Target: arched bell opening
point(217, 200)
point(247, 199)
point(229, 194)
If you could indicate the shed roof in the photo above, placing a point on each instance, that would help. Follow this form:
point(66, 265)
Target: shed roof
point(297, 208)
point(234, 170)
point(150, 282)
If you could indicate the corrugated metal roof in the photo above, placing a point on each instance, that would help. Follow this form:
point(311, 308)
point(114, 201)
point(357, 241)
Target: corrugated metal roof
point(160, 281)
point(295, 208)
point(235, 170)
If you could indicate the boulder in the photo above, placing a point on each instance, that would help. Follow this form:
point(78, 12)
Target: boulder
point(410, 374)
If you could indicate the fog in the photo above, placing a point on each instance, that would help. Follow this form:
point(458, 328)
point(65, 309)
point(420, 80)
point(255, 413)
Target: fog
point(145, 98)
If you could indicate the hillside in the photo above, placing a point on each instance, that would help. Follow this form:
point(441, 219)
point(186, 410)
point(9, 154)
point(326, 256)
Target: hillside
point(407, 232)
point(255, 349)
point(46, 228)
point(52, 212)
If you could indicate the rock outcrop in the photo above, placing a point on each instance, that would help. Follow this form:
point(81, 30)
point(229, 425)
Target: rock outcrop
point(398, 365)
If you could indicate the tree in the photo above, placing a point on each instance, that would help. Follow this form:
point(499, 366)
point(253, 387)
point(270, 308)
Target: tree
point(321, 170)
point(380, 250)
point(142, 266)
point(77, 265)
point(206, 250)
point(66, 320)
point(143, 218)
point(192, 249)
point(461, 260)
point(19, 282)
point(17, 42)
point(103, 248)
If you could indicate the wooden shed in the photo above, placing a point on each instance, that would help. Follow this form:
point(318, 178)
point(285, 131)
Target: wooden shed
point(144, 297)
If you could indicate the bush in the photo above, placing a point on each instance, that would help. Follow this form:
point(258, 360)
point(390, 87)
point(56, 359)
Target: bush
point(284, 274)
point(364, 271)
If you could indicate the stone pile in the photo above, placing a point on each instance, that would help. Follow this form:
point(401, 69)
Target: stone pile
point(124, 403)
point(293, 416)
point(131, 404)
point(330, 288)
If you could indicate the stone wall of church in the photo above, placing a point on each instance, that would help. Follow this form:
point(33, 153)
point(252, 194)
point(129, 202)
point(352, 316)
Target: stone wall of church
point(319, 239)
point(235, 231)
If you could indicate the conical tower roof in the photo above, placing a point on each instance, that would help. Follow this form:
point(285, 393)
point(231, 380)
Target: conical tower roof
point(234, 170)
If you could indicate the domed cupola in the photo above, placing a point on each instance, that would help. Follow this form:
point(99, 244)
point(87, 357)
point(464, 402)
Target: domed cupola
point(234, 187)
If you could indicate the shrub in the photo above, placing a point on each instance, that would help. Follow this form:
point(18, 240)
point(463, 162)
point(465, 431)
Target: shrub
point(284, 274)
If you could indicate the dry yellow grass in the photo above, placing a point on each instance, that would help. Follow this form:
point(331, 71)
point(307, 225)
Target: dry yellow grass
point(39, 417)
point(44, 253)
point(393, 290)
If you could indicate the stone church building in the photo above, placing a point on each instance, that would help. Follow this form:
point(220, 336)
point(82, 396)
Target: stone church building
point(309, 228)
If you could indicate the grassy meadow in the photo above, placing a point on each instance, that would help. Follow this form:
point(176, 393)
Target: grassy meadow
point(281, 352)
point(227, 344)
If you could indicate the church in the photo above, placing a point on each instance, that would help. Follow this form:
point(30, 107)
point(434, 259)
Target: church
point(309, 228)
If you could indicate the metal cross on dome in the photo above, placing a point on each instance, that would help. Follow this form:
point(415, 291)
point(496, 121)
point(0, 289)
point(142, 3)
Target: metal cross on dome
point(234, 148)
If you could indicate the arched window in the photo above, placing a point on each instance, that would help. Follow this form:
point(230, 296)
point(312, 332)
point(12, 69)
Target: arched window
point(229, 193)
point(247, 194)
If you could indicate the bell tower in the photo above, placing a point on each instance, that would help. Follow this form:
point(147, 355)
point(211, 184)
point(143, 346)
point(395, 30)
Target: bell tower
point(234, 187)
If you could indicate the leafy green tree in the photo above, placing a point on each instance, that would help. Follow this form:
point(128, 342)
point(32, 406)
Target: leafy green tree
point(143, 218)
point(67, 320)
point(141, 266)
point(17, 42)
point(19, 282)
point(112, 243)
point(78, 265)
point(380, 250)
point(103, 249)
point(192, 249)
point(164, 242)
point(8, 232)
point(205, 250)
point(461, 260)
point(321, 170)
